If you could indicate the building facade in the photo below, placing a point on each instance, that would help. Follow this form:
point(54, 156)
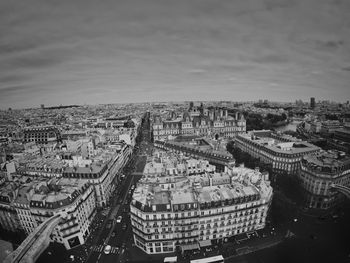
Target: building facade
point(198, 209)
point(9, 219)
point(26, 202)
point(318, 175)
point(41, 135)
point(198, 121)
point(283, 152)
point(101, 175)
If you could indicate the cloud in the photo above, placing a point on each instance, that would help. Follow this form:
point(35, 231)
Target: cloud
point(149, 49)
point(273, 59)
point(15, 89)
point(10, 78)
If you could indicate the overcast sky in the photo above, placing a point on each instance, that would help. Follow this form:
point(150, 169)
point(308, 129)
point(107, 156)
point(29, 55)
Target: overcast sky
point(82, 51)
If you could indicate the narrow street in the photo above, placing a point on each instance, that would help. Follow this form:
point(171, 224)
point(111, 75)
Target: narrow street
point(119, 234)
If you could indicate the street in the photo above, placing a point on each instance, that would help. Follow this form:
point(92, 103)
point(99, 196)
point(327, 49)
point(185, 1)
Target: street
point(119, 234)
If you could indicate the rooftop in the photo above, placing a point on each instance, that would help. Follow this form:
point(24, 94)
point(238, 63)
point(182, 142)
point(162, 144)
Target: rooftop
point(278, 143)
point(331, 159)
point(238, 182)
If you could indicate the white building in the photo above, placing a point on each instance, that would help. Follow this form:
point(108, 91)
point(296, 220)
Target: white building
point(198, 209)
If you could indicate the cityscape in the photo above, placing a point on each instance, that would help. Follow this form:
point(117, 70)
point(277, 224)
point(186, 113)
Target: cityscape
point(176, 181)
point(190, 131)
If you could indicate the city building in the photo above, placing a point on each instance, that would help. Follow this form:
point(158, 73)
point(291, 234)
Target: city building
point(198, 121)
point(312, 103)
point(8, 217)
point(283, 152)
point(330, 126)
point(100, 170)
point(41, 135)
point(101, 173)
point(319, 173)
point(343, 134)
point(197, 209)
point(36, 200)
point(313, 127)
point(202, 148)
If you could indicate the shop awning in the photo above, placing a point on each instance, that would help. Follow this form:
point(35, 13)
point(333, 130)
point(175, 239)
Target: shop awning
point(189, 247)
point(205, 243)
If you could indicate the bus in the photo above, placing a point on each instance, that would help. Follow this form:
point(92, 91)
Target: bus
point(215, 259)
point(170, 260)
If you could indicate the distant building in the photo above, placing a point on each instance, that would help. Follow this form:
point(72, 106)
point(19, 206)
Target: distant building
point(41, 135)
point(343, 134)
point(42, 106)
point(199, 121)
point(330, 126)
point(312, 103)
point(186, 212)
point(319, 171)
point(283, 152)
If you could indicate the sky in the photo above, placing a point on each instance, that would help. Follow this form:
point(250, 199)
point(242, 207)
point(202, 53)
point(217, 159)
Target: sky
point(56, 52)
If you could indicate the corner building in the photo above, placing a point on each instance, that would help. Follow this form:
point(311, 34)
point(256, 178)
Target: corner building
point(283, 152)
point(319, 173)
point(199, 209)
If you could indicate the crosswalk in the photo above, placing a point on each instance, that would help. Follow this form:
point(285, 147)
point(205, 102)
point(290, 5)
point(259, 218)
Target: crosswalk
point(99, 249)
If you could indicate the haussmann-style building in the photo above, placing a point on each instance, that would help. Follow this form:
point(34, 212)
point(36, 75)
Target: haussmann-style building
point(178, 210)
point(320, 174)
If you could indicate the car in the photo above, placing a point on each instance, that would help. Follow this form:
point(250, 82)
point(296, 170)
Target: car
point(124, 226)
point(107, 249)
point(119, 219)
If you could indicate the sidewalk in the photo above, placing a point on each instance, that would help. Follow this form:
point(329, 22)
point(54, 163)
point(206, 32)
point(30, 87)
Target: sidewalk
point(136, 255)
point(228, 250)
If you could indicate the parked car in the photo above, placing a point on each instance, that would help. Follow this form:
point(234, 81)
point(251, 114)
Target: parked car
point(119, 219)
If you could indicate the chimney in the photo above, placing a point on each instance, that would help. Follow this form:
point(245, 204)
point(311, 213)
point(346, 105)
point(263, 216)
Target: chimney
point(236, 117)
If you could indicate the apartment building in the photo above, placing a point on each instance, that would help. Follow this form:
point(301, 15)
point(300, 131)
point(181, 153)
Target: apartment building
point(101, 173)
point(8, 217)
point(198, 209)
point(30, 201)
point(41, 134)
point(319, 173)
point(283, 152)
